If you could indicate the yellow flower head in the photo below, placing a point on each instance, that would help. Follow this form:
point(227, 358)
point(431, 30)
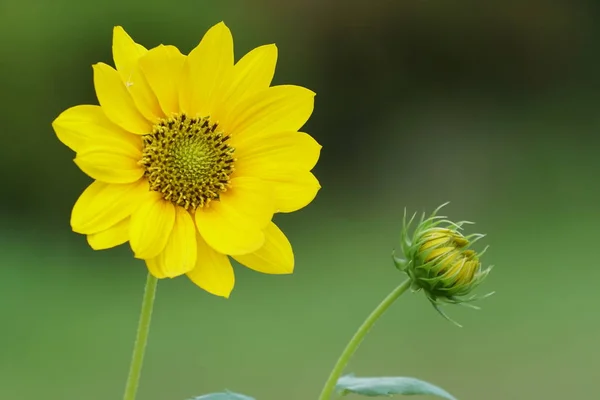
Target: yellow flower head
point(191, 157)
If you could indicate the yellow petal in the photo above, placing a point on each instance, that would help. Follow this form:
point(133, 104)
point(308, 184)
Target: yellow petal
point(126, 53)
point(279, 151)
point(293, 190)
point(213, 271)
point(234, 224)
point(151, 226)
point(276, 109)
point(111, 162)
point(116, 102)
point(274, 257)
point(205, 71)
point(154, 269)
point(84, 124)
point(103, 205)
point(111, 237)
point(253, 73)
point(284, 160)
point(144, 98)
point(162, 68)
point(179, 255)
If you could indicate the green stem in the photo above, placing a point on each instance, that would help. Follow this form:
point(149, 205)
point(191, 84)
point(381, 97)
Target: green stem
point(358, 337)
point(137, 359)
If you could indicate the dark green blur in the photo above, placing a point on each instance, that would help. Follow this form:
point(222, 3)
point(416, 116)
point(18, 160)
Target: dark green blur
point(493, 107)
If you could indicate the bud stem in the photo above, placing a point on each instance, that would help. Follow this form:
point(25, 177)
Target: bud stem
point(358, 337)
point(137, 359)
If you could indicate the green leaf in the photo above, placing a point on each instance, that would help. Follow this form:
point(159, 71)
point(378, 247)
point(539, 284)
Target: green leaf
point(388, 386)
point(223, 396)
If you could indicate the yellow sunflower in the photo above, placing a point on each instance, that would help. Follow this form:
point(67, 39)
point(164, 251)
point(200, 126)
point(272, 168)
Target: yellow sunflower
point(191, 157)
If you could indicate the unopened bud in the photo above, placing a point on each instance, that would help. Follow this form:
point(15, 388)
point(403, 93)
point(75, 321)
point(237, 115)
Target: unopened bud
point(440, 260)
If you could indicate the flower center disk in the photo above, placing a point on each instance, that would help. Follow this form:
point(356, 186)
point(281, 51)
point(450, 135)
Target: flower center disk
point(187, 160)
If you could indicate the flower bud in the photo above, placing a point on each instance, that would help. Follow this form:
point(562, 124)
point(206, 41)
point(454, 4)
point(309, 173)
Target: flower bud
point(440, 260)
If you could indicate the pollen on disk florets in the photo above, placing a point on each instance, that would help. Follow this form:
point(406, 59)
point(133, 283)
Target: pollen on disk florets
point(188, 160)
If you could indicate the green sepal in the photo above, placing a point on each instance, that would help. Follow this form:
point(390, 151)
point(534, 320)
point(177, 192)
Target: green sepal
point(399, 262)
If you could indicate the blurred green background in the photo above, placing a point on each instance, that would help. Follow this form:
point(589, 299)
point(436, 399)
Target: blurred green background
point(490, 105)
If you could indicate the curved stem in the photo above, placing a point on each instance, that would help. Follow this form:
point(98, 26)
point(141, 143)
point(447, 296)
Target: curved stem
point(137, 359)
point(358, 337)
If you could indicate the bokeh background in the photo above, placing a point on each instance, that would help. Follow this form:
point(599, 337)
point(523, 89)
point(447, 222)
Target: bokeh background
point(490, 105)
